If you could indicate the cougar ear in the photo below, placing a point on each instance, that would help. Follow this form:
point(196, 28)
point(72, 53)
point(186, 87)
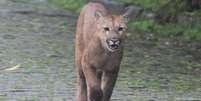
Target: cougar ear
point(126, 18)
point(128, 13)
point(99, 14)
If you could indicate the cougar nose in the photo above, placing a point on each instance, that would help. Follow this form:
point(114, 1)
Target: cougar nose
point(114, 41)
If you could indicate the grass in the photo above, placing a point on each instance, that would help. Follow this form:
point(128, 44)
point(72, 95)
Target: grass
point(74, 5)
point(189, 32)
point(181, 85)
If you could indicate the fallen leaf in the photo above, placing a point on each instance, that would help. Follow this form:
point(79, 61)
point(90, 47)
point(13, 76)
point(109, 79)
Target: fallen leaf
point(13, 68)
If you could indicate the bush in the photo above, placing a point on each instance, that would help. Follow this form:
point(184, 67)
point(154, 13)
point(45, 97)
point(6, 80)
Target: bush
point(147, 4)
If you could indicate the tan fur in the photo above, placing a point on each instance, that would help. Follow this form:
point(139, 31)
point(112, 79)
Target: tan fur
point(97, 67)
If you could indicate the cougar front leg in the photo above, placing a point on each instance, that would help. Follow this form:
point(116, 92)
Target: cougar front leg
point(108, 81)
point(82, 87)
point(93, 80)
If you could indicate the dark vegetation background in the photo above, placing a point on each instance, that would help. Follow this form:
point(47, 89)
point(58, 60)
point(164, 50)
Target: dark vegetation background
point(163, 17)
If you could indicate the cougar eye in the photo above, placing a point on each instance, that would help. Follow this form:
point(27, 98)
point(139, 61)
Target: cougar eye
point(106, 29)
point(120, 29)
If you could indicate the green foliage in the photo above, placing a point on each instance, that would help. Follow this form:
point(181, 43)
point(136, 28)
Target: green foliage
point(144, 25)
point(147, 4)
point(195, 13)
point(169, 29)
point(193, 33)
point(73, 5)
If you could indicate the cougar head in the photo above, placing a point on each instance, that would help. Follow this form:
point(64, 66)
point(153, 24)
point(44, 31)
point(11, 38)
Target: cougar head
point(111, 30)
